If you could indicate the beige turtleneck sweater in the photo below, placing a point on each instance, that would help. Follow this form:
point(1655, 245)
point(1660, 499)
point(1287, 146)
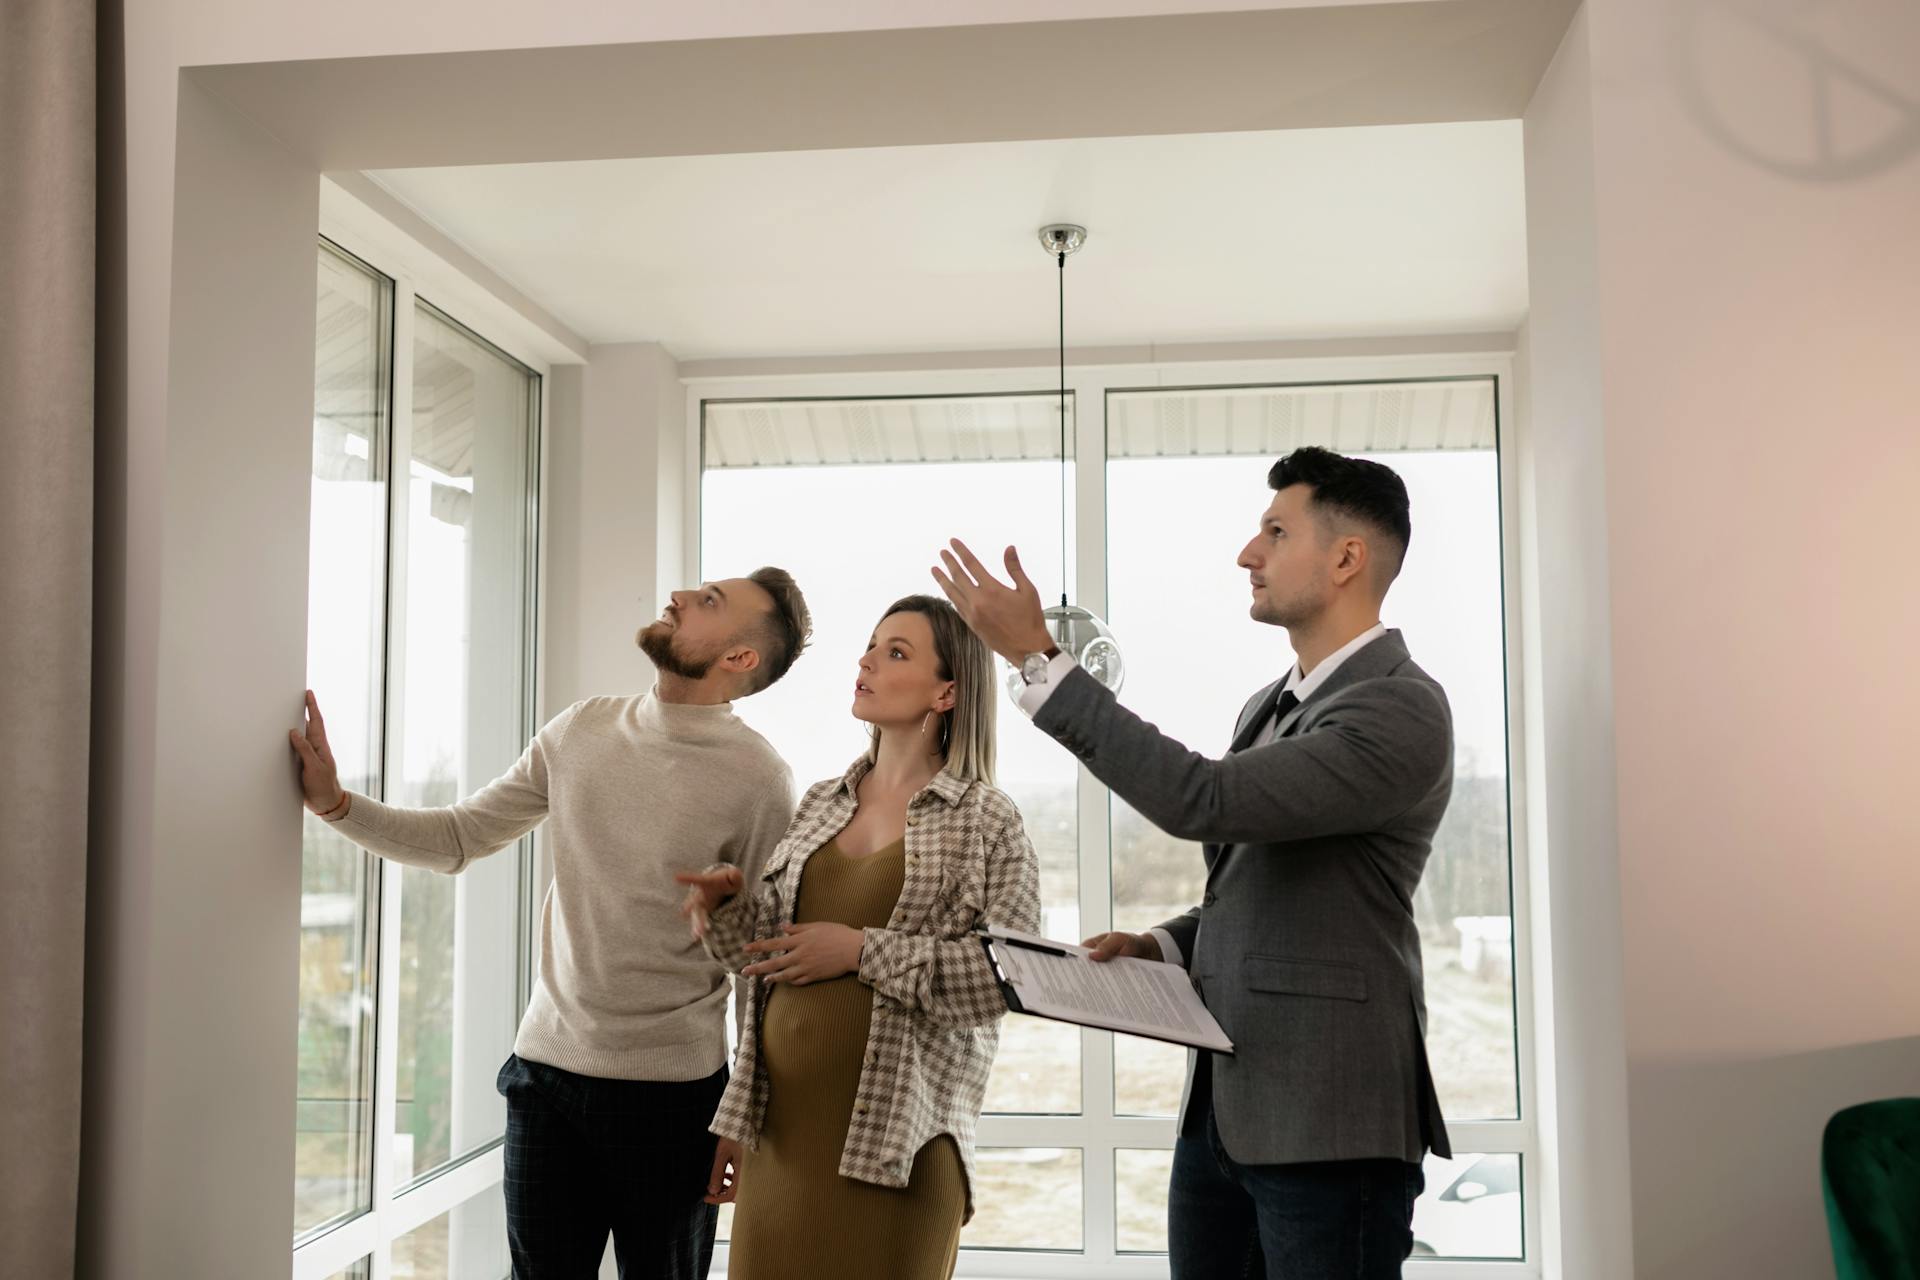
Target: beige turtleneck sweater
point(634, 789)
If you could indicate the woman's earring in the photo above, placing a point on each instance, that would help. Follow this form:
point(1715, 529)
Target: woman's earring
point(923, 723)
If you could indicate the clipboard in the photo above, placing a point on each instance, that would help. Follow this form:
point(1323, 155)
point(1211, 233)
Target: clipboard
point(1146, 998)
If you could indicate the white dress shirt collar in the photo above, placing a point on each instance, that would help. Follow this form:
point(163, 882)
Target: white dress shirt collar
point(1302, 687)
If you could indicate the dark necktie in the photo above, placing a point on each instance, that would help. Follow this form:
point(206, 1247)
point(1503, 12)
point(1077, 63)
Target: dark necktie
point(1286, 704)
point(1251, 733)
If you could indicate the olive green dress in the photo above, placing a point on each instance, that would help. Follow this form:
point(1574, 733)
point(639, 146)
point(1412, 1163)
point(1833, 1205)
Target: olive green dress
point(796, 1217)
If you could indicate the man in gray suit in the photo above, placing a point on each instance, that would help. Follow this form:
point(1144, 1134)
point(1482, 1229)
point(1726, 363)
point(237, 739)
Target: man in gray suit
point(1299, 1155)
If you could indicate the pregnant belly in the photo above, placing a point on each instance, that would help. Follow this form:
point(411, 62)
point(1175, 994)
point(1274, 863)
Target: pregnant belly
point(812, 1039)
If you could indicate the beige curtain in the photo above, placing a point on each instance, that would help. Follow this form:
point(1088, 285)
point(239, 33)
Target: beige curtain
point(47, 190)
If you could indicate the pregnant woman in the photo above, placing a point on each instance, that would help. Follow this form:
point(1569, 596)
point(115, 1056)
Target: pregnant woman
point(872, 1016)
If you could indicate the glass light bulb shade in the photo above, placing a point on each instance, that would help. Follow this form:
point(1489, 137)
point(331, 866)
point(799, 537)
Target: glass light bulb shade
point(1088, 639)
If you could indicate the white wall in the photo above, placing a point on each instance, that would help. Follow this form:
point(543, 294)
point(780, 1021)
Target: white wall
point(1569, 734)
point(1757, 335)
point(194, 925)
point(613, 517)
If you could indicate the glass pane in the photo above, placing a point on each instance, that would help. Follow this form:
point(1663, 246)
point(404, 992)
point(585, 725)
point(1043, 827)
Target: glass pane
point(1147, 1077)
point(1140, 1200)
point(346, 576)
point(361, 1270)
point(462, 721)
point(860, 535)
point(469, 1242)
point(1037, 1071)
point(1470, 1209)
point(1026, 1198)
point(1448, 603)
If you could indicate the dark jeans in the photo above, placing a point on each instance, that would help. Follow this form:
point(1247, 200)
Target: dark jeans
point(587, 1156)
point(1336, 1220)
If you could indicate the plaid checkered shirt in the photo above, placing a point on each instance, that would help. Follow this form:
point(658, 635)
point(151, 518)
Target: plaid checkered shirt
point(936, 1006)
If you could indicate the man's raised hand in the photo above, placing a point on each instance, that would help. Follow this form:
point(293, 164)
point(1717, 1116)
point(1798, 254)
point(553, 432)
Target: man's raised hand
point(1010, 619)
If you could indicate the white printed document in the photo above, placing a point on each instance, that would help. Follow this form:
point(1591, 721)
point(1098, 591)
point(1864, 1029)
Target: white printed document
point(1137, 997)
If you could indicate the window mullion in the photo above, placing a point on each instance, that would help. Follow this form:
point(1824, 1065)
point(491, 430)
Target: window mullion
point(527, 917)
point(386, 1064)
point(1087, 519)
point(399, 497)
point(386, 1036)
point(338, 1249)
point(1519, 847)
point(1491, 1137)
point(445, 1191)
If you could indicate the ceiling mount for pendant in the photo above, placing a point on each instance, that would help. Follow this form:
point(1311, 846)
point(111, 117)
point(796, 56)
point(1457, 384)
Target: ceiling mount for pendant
point(1062, 237)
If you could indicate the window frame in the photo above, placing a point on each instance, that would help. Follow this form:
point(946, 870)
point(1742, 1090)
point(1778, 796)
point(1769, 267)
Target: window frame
point(1097, 1132)
point(416, 277)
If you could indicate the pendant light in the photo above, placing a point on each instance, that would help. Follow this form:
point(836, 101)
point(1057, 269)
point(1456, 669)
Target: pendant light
point(1077, 631)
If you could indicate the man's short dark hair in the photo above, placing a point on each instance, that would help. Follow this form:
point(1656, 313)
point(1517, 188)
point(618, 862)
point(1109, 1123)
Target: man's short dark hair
point(783, 634)
point(1364, 492)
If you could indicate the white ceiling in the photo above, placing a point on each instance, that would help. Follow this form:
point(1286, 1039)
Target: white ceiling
point(1198, 238)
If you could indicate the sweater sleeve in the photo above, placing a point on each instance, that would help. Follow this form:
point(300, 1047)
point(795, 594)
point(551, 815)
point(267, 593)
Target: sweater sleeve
point(764, 826)
point(741, 918)
point(449, 838)
point(949, 980)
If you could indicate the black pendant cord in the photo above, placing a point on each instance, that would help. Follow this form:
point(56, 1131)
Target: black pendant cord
point(1063, 430)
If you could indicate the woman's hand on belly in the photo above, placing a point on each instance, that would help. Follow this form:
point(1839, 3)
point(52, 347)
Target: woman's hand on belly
point(807, 953)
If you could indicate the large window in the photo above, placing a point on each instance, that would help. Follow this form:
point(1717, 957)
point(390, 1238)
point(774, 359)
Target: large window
point(333, 1151)
point(462, 718)
point(420, 651)
point(856, 495)
point(853, 504)
point(1186, 476)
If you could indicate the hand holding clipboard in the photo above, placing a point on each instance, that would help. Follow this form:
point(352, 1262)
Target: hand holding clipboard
point(1136, 997)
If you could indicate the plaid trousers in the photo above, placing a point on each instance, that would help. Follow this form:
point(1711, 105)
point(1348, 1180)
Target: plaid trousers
point(587, 1156)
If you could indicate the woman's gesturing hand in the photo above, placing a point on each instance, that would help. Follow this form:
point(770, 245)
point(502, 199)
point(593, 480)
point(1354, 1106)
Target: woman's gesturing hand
point(706, 890)
point(807, 953)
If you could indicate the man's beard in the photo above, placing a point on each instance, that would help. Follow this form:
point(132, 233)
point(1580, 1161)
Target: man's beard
point(656, 642)
point(1302, 606)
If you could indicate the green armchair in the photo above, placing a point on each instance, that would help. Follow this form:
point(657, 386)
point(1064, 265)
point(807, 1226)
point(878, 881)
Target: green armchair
point(1870, 1172)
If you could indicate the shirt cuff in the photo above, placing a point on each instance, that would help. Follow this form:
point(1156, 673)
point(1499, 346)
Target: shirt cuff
point(1035, 696)
point(1169, 949)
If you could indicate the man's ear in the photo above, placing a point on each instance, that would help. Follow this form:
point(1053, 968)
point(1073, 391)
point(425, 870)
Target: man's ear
point(1355, 559)
point(740, 659)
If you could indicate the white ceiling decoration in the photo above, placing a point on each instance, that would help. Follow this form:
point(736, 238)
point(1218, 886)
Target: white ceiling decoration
point(827, 433)
point(1387, 417)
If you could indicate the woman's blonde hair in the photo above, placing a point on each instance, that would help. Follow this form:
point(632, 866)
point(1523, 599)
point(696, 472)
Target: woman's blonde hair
point(966, 730)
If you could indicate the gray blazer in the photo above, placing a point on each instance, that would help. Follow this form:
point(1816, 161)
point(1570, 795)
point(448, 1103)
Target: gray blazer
point(1304, 945)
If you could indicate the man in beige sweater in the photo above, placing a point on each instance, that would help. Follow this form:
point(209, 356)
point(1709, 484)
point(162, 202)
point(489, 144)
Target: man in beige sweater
point(621, 1057)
